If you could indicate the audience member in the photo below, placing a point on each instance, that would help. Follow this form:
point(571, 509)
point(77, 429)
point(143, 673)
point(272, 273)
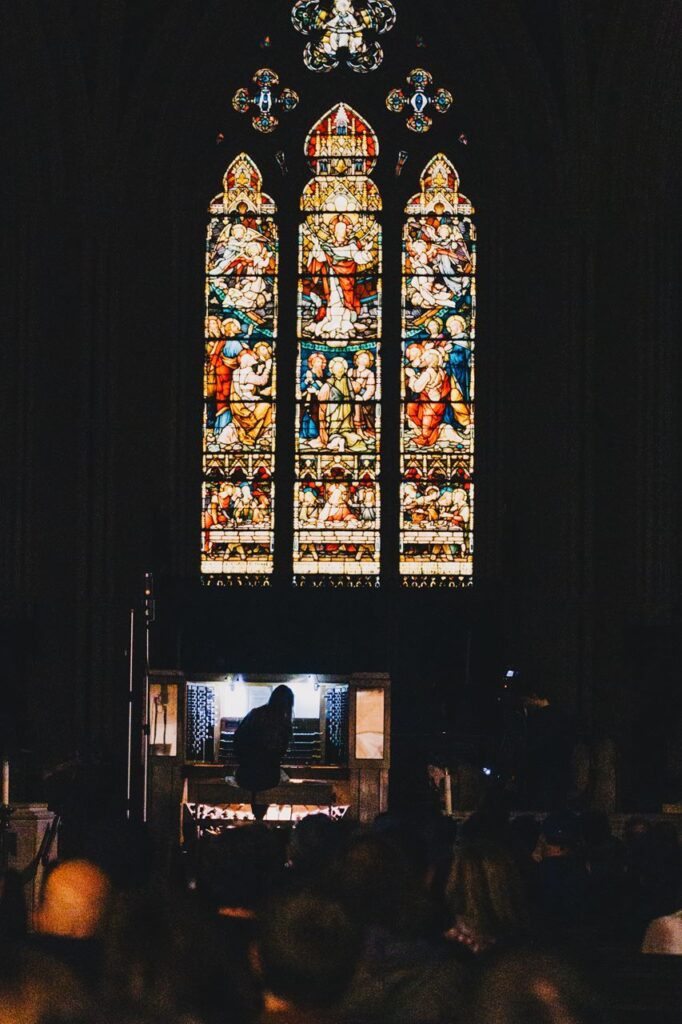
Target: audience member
point(486, 897)
point(664, 935)
point(561, 881)
point(307, 953)
point(165, 958)
point(407, 973)
point(35, 989)
point(74, 902)
point(312, 845)
point(529, 986)
point(70, 919)
point(387, 924)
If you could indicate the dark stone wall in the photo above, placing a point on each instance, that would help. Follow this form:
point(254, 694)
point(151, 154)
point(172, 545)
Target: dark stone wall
point(109, 119)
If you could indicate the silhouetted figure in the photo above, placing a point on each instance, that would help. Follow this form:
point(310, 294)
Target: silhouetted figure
point(260, 743)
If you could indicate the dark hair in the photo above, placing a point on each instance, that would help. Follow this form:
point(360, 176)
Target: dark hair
point(282, 698)
point(373, 879)
point(308, 950)
point(164, 958)
point(239, 867)
point(312, 844)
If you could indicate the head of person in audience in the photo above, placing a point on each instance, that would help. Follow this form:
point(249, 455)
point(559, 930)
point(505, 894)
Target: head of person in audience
point(312, 844)
point(595, 827)
point(167, 959)
point(560, 836)
point(485, 892)
point(636, 831)
point(75, 901)
point(375, 881)
point(524, 832)
point(536, 987)
point(238, 869)
point(306, 953)
point(35, 989)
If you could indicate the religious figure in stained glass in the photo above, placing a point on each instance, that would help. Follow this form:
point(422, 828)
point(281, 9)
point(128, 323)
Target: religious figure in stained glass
point(439, 297)
point(239, 377)
point(342, 25)
point(338, 379)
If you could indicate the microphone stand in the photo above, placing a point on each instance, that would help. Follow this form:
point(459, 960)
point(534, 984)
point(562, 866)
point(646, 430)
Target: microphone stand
point(8, 839)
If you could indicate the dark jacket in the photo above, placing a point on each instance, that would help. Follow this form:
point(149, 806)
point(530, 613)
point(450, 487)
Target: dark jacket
point(260, 743)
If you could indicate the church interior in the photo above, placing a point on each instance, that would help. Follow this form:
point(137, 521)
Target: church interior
point(118, 127)
point(340, 603)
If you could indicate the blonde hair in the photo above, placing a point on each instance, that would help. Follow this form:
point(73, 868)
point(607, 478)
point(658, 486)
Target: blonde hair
point(485, 888)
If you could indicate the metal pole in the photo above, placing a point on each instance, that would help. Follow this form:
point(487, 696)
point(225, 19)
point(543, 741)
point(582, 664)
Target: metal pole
point(145, 726)
point(131, 695)
point(149, 614)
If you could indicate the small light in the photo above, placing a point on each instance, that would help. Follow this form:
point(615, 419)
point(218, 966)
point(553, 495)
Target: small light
point(487, 771)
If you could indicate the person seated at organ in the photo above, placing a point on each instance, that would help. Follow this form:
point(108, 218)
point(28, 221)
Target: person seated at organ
point(260, 743)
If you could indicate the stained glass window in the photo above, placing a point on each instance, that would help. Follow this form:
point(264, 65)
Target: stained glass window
point(339, 28)
point(337, 499)
point(239, 379)
point(437, 435)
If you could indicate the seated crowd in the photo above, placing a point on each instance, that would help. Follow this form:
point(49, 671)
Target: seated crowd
point(413, 921)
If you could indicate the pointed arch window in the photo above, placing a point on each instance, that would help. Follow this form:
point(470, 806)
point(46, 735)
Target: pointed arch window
point(337, 501)
point(239, 378)
point(437, 432)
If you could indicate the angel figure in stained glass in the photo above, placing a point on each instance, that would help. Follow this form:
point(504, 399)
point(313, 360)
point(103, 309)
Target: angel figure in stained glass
point(343, 30)
point(239, 266)
point(335, 287)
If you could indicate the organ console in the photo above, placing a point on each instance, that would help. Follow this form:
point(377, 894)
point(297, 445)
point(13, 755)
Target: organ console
point(337, 762)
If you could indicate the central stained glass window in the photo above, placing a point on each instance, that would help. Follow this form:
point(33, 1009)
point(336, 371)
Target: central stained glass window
point(337, 501)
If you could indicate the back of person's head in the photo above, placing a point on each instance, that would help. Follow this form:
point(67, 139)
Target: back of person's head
point(240, 867)
point(373, 879)
point(165, 959)
point(34, 989)
point(595, 827)
point(485, 888)
point(282, 699)
point(536, 987)
point(75, 900)
point(636, 829)
point(312, 844)
point(308, 949)
point(562, 833)
point(485, 825)
point(407, 836)
point(524, 832)
point(123, 850)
